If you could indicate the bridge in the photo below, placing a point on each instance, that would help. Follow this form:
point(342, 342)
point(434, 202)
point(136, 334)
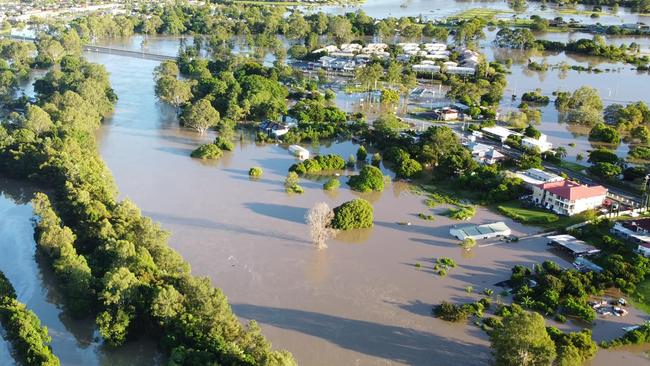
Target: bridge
point(127, 53)
point(107, 50)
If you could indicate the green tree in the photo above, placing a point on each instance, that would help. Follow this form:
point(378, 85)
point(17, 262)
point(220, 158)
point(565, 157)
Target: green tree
point(173, 91)
point(362, 154)
point(369, 179)
point(584, 106)
point(603, 133)
point(355, 214)
point(200, 116)
point(340, 29)
point(37, 119)
point(522, 340)
point(408, 168)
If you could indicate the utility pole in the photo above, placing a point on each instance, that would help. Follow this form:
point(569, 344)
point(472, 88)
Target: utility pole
point(645, 198)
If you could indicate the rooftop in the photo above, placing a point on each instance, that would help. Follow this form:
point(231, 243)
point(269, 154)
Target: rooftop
point(573, 191)
point(573, 245)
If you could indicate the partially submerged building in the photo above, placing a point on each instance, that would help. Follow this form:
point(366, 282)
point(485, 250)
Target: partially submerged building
point(477, 232)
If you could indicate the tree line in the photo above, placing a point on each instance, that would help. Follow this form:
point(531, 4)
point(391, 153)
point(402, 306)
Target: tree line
point(110, 256)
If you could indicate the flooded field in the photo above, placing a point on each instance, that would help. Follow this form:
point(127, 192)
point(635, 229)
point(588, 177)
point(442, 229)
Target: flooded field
point(73, 341)
point(362, 301)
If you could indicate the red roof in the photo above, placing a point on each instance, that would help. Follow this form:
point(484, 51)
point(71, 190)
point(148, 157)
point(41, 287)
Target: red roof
point(573, 191)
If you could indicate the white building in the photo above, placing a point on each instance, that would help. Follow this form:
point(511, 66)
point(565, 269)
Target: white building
point(499, 133)
point(485, 154)
point(540, 144)
point(534, 177)
point(477, 232)
point(568, 198)
point(299, 152)
point(636, 231)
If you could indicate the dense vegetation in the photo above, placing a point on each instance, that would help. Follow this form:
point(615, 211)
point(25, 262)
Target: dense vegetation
point(137, 284)
point(321, 163)
point(29, 339)
point(369, 179)
point(355, 214)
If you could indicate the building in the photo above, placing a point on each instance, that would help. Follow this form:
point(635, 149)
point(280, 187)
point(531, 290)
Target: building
point(485, 154)
point(299, 152)
point(477, 232)
point(534, 177)
point(577, 248)
point(567, 197)
point(498, 133)
point(540, 144)
point(636, 231)
point(447, 114)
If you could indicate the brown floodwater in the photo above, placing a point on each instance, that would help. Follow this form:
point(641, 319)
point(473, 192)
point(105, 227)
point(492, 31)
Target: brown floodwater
point(361, 301)
point(75, 342)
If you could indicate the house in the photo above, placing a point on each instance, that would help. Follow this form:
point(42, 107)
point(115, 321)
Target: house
point(636, 231)
point(274, 129)
point(534, 177)
point(537, 144)
point(477, 232)
point(446, 114)
point(485, 154)
point(498, 133)
point(567, 197)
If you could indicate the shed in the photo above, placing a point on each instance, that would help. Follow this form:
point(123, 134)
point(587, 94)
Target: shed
point(477, 232)
point(299, 152)
point(573, 246)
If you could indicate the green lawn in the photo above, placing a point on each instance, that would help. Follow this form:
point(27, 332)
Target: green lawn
point(527, 215)
point(539, 217)
point(574, 167)
point(484, 13)
point(643, 289)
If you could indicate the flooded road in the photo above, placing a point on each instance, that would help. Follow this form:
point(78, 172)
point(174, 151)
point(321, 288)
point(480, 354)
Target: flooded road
point(73, 341)
point(362, 301)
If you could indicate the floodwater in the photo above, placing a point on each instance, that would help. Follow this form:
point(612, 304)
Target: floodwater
point(73, 341)
point(438, 9)
point(361, 301)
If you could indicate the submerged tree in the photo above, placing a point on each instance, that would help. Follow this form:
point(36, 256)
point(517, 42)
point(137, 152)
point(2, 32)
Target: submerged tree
point(319, 218)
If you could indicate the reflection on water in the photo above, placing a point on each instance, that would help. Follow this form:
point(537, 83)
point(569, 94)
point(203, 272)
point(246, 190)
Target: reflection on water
point(73, 341)
point(356, 236)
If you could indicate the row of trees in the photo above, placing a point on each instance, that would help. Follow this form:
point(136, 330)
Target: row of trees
point(29, 339)
point(138, 285)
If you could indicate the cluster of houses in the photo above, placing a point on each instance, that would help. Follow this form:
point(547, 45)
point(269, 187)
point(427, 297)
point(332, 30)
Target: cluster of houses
point(637, 231)
point(350, 56)
point(468, 62)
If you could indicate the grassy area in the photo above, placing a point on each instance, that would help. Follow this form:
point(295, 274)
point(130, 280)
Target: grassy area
point(539, 217)
point(574, 167)
point(526, 215)
point(483, 13)
point(642, 302)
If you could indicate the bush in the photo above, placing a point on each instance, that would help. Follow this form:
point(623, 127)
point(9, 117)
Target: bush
point(451, 312)
point(255, 172)
point(332, 184)
point(224, 144)
point(376, 159)
point(603, 133)
point(462, 213)
point(355, 214)
point(369, 179)
point(291, 183)
point(408, 168)
point(640, 152)
point(362, 154)
point(427, 217)
point(207, 151)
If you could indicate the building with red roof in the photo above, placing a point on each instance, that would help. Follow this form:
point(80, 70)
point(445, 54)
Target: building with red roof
point(566, 197)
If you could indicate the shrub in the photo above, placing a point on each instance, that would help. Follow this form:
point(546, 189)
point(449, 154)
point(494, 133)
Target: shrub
point(427, 217)
point(640, 152)
point(352, 161)
point(376, 159)
point(369, 179)
point(331, 184)
point(408, 168)
point(451, 312)
point(462, 213)
point(330, 162)
point(362, 154)
point(224, 144)
point(468, 243)
point(355, 214)
point(207, 151)
point(291, 183)
point(255, 172)
point(603, 133)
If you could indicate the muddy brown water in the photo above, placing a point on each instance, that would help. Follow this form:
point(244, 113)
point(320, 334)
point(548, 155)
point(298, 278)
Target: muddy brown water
point(362, 300)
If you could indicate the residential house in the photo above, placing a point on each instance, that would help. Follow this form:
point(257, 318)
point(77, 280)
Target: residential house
point(485, 154)
point(447, 114)
point(568, 197)
point(636, 231)
point(540, 144)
